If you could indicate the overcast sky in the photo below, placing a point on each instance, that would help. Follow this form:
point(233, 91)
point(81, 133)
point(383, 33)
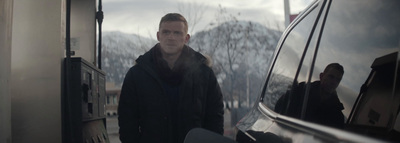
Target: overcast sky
point(142, 16)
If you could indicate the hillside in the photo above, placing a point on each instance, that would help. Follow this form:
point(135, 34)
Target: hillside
point(240, 50)
point(120, 51)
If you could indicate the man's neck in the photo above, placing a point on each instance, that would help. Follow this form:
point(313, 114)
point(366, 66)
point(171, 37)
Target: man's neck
point(171, 59)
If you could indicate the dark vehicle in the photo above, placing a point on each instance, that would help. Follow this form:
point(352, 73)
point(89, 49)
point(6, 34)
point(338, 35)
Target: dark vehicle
point(361, 103)
point(361, 35)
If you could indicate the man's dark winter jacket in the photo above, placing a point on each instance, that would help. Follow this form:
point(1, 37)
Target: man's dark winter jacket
point(145, 114)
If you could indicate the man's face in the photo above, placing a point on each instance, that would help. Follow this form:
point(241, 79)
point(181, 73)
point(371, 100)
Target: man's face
point(172, 37)
point(330, 80)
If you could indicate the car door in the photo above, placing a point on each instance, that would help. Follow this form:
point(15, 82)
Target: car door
point(353, 34)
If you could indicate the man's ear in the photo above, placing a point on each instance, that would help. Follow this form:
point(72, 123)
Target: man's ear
point(321, 75)
point(187, 38)
point(158, 38)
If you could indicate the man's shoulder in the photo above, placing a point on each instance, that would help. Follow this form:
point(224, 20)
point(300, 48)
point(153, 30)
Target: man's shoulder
point(136, 70)
point(207, 60)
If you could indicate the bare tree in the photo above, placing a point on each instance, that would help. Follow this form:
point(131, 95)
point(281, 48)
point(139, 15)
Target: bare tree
point(193, 12)
point(241, 50)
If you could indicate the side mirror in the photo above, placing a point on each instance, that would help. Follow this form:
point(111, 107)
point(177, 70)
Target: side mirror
point(199, 135)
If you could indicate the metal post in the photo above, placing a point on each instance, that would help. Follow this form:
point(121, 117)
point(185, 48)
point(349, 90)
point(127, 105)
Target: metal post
point(99, 17)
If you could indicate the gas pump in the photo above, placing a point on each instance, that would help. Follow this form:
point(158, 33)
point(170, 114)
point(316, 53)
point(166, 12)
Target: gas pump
point(84, 119)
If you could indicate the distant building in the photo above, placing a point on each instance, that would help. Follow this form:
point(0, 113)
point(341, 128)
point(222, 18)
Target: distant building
point(293, 16)
point(288, 17)
point(112, 99)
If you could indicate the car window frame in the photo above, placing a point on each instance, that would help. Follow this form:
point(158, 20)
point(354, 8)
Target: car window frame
point(315, 53)
point(319, 6)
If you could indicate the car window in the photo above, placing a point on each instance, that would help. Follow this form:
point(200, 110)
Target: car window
point(287, 61)
point(363, 38)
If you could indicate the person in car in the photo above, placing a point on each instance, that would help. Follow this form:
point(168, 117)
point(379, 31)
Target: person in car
point(170, 90)
point(323, 104)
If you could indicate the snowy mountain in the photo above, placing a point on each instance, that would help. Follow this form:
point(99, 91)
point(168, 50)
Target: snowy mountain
point(241, 51)
point(120, 51)
point(240, 42)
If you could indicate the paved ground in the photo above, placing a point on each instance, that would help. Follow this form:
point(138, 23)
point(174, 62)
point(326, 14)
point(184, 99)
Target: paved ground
point(112, 127)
